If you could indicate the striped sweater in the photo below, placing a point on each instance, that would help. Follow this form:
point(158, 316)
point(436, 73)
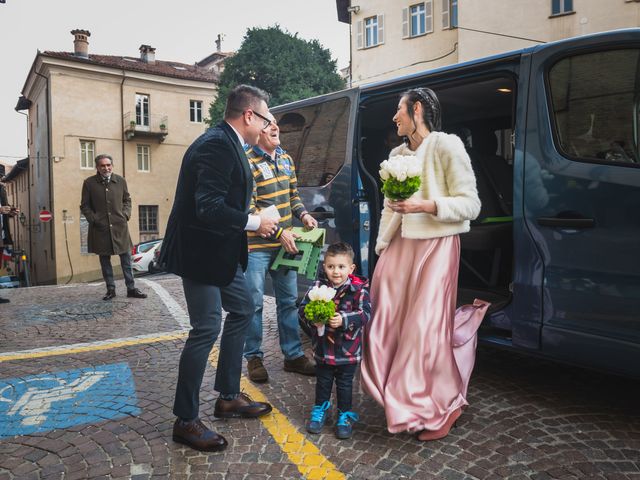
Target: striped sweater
point(275, 183)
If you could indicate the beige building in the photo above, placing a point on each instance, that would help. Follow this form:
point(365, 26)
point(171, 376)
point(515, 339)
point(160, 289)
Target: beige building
point(142, 111)
point(391, 38)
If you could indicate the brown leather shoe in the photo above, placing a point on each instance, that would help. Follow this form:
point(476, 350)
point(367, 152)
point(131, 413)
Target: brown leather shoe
point(300, 365)
point(241, 407)
point(197, 436)
point(257, 372)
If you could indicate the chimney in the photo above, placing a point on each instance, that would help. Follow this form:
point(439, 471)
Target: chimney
point(147, 54)
point(81, 43)
point(219, 42)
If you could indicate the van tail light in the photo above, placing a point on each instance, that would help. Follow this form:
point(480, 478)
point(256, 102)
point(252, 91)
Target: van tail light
point(137, 259)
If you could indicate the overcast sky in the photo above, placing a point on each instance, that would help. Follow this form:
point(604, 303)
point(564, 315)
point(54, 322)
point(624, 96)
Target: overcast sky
point(180, 30)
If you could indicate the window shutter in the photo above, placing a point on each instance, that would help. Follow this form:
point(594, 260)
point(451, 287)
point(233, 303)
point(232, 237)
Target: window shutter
point(445, 13)
point(359, 34)
point(428, 14)
point(405, 22)
point(380, 29)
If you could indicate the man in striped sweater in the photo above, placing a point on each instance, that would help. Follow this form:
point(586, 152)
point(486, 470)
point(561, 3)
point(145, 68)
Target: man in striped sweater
point(275, 184)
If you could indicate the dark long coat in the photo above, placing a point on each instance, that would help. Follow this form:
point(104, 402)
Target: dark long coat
point(5, 219)
point(107, 208)
point(205, 239)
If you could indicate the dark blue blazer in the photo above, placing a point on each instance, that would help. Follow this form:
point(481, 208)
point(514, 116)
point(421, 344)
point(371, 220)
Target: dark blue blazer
point(205, 238)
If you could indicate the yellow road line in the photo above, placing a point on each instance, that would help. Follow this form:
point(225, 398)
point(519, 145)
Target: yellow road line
point(304, 454)
point(90, 347)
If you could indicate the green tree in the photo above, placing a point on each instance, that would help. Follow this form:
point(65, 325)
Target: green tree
point(285, 66)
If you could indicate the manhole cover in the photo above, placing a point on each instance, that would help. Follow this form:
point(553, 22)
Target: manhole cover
point(96, 308)
point(72, 311)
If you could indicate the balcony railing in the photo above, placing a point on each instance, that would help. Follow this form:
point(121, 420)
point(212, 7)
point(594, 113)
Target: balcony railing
point(150, 126)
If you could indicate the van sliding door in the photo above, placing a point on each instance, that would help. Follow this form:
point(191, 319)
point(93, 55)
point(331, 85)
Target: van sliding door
point(582, 198)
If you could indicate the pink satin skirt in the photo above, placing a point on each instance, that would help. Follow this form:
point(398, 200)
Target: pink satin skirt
point(419, 350)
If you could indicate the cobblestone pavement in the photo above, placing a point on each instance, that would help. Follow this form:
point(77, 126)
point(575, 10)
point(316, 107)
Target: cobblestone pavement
point(527, 419)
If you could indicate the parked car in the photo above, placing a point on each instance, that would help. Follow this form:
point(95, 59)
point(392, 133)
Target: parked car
point(142, 254)
point(553, 134)
point(155, 266)
point(9, 281)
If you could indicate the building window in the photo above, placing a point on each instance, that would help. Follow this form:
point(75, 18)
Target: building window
point(370, 33)
point(559, 7)
point(449, 13)
point(142, 110)
point(418, 26)
point(87, 154)
point(417, 19)
point(195, 111)
point(144, 158)
point(454, 13)
point(148, 218)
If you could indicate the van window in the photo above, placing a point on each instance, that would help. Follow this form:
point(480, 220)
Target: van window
point(594, 99)
point(316, 138)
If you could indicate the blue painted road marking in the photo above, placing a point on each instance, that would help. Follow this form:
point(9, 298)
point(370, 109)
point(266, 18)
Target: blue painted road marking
point(40, 403)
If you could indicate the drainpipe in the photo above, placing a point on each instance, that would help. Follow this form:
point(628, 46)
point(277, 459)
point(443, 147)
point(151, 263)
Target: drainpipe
point(121, 122)
point(28, 230)
point(49, 161)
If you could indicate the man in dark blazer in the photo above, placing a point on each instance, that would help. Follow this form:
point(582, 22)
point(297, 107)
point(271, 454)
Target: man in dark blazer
point(206, 244)
point(106, 204)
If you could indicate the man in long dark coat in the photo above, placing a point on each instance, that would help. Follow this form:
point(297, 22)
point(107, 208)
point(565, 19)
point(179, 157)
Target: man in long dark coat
point(106, 204)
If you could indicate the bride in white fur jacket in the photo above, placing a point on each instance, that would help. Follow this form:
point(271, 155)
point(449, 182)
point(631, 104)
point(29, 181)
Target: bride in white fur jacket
point(411, 365)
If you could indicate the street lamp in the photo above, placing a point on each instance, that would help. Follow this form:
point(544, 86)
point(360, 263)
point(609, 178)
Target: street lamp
point(23, 221)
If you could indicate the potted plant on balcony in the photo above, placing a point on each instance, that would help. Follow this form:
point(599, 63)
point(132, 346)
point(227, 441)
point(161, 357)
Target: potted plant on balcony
point(132, 124)
point(163, 127)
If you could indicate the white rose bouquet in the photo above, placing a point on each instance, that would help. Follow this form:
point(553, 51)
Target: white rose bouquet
point(321, 307)
point(400, 176)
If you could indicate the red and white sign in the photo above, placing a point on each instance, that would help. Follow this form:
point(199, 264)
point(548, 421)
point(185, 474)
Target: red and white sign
point(45, 215)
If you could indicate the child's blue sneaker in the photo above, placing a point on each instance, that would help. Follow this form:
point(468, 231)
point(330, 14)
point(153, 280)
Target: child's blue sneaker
point(344, 426)
point(318, 416)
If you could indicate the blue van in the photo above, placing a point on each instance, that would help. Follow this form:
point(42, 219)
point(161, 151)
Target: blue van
point(553, 135)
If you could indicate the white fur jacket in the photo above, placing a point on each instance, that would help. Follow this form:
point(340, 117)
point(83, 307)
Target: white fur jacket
point(448, 180)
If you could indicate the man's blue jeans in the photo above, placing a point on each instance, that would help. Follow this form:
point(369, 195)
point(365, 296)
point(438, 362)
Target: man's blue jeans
point(285, 286)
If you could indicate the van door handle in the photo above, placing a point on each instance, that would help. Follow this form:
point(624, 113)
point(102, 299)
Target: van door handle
point(322, 214)
point(566, 222)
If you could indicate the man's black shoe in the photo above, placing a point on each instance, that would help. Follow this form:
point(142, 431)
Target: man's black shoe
point(109, 295)
point(136, 293)
point(4, 300)
point(240, 407)
point(197, 436)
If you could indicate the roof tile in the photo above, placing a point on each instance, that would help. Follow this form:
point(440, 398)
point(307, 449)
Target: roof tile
point(160, 67)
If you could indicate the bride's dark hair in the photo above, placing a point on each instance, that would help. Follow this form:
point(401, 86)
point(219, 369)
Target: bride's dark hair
point(430, 107)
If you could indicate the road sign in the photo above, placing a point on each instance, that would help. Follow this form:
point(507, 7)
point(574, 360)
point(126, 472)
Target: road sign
point(45, 215)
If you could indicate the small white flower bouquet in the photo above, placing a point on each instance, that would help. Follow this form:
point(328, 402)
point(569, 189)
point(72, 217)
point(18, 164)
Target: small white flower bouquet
point(400, 176)
point(321, 307)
